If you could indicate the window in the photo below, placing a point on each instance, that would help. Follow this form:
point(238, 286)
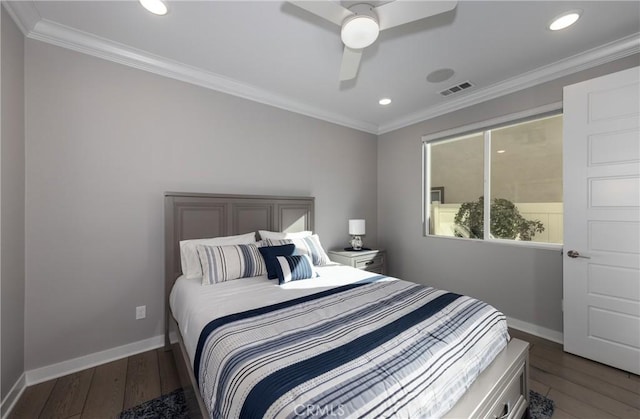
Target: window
point(517, 165)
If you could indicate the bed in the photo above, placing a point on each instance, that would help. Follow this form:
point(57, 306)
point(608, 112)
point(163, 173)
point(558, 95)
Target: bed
point(345, 343)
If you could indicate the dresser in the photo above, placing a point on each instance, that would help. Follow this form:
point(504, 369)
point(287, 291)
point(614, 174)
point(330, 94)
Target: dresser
point(369, 260)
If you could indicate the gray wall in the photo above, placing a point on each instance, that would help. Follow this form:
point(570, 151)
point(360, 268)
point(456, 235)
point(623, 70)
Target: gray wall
point(525, 283)
point(104, 141)
point(12, 189)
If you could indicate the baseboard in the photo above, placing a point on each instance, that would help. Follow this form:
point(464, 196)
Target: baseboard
point(532, 329)
point(13, 396)
point(60, 369)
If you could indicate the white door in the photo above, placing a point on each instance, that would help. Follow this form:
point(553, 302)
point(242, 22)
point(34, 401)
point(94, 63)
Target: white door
point(601, 258)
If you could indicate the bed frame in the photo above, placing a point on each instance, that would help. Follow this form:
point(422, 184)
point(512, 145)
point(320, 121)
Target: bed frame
point(500, 391)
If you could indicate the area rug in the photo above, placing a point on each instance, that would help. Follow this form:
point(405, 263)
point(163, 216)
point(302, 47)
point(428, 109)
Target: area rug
point(540, 407)
point(173, 406)
point(169, 406)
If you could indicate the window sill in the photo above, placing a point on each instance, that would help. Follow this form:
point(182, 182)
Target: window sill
point(518, 243)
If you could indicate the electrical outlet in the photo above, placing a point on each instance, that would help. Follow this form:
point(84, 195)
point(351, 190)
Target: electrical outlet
point(141, 312)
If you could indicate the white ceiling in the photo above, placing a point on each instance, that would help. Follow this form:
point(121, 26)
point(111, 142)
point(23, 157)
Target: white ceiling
point(276, 53)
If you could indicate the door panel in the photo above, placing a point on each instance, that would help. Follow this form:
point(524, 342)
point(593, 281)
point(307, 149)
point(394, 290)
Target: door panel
point(602, 219)
point(614, 103)
point(614, 236)
point(625, 331)
point(626, 287)
point(619, 147)
point(615, 192)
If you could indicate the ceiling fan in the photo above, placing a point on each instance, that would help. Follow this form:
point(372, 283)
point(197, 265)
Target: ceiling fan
point(361, 23)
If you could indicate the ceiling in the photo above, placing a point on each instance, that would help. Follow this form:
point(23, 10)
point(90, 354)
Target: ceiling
point(275, 53)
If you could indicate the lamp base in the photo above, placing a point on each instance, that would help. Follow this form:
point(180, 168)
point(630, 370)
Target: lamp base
point(356, 243)
point(351, 249)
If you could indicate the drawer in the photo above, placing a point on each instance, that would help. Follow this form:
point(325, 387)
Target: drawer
point(378, 269)
point(370, 263)
point(512, 402)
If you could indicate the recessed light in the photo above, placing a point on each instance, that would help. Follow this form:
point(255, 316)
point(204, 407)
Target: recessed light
point(385, 101)
point(157, 7)
point(565, 20)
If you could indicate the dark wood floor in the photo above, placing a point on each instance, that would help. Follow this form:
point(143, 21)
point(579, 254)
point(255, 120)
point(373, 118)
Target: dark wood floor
point(103, 391)
point(580, 388)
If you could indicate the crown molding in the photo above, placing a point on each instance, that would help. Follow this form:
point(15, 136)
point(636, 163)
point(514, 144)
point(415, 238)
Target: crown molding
point(56, 34)
point(33, 26)
point(601, 55)
point(24, 14)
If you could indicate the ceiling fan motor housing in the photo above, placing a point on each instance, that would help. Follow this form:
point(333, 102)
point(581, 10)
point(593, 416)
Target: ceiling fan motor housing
point(360, 29)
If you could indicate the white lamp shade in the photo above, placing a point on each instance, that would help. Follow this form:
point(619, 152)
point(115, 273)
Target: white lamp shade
point(357, 227)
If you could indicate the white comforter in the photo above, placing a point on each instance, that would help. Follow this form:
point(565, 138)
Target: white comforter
point(194, 305)
point(425, 346)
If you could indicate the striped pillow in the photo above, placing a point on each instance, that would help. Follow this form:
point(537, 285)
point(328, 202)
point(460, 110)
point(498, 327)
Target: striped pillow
point(294, 268)
point(223, 263)
point(305, 246)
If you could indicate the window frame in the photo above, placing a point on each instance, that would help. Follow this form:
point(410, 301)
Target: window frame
point(484, 128)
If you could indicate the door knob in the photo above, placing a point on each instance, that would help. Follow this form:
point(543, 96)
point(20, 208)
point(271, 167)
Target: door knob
point(575, 254)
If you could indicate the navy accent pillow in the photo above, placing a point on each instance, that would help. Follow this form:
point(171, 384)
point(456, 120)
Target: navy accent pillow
point(269, 254)
point(294, 268)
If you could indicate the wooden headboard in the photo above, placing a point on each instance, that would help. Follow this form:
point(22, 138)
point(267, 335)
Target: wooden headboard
point(197, 215)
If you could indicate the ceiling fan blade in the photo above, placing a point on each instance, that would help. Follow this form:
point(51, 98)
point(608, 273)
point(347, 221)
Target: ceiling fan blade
point(350, 63)
point(333, 12)
point(400, 12)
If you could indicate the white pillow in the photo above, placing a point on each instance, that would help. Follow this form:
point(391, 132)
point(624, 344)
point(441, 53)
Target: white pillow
point(277, 235)
point(304, 246)
point(189, 259)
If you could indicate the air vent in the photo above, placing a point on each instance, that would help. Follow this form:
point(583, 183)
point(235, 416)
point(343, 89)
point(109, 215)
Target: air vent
point(457, 88)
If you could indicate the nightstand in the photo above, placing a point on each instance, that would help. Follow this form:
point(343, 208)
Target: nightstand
point(369, 260)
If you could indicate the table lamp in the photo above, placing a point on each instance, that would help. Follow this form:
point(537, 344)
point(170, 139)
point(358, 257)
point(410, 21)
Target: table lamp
point(356, 229)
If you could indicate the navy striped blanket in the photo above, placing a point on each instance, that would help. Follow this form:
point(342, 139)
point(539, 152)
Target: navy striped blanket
point(381, 349)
